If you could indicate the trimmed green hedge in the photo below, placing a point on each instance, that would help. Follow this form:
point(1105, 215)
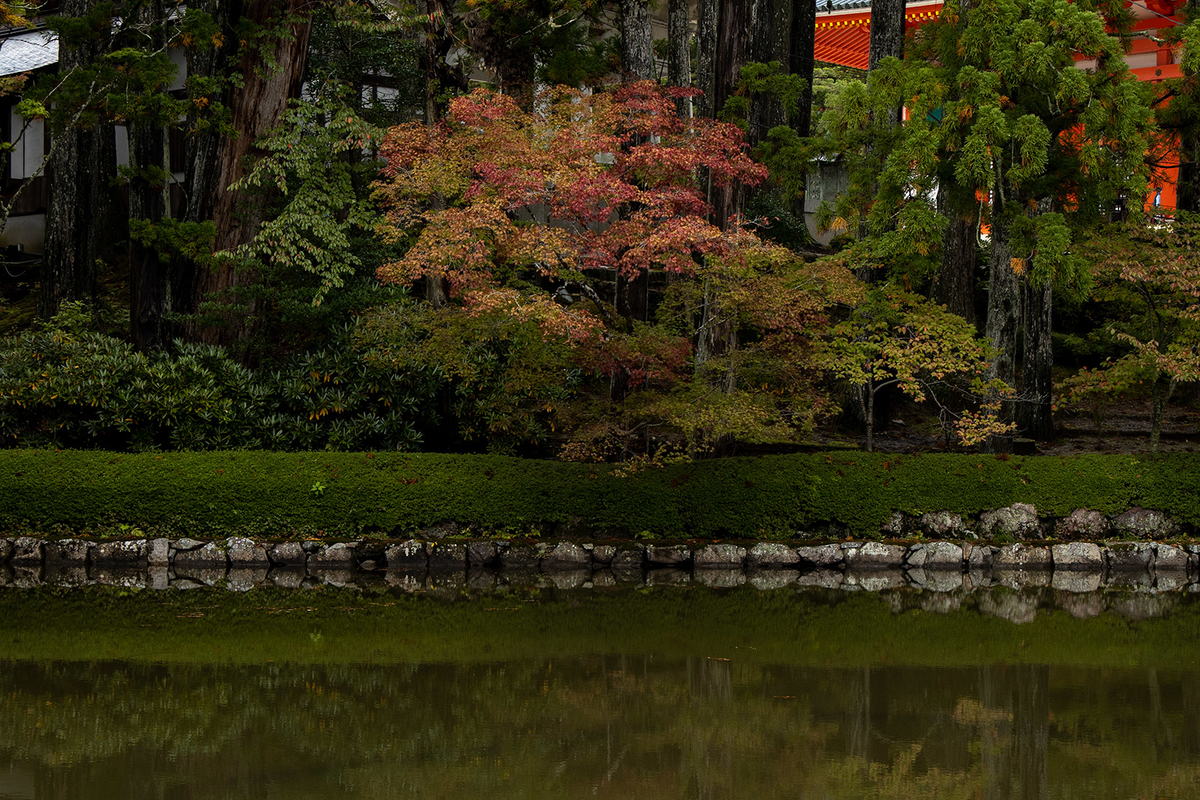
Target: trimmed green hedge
point(389, 494)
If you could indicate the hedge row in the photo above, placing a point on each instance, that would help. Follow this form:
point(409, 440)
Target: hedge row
point(390, 494)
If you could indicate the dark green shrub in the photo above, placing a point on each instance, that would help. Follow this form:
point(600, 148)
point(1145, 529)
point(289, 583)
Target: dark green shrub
point(64, 389)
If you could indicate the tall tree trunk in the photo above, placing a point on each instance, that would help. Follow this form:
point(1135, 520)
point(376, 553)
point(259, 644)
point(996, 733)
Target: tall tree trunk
point(887, 38)
point(707, 19)
point(1001, 326)
point(149, 200)
point(802, 43)
point(733, 48)
point(637, 40)
point(73, 172)
point(512, 62)
point(1187, 197)
point(150, 281)
point(256, 106)
point(1035, 417)
point(954, 284)
point(679, 52)
point(887, 31)
point(439, 42)
point(761, 48)
point(1160, 393)
point(637, 63)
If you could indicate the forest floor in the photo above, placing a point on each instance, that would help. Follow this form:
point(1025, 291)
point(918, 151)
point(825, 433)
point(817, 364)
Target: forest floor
point(1122, 428)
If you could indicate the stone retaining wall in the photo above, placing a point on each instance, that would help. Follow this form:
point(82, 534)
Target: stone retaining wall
point(448, 555)
point(957, 555)
point(414, 556)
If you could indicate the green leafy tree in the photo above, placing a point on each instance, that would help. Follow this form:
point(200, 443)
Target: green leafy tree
point(1055, 148)
point(895, 338)
point(1149, 276)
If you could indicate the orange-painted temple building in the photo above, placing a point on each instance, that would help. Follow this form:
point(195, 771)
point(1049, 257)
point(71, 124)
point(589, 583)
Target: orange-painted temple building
point(844, 32)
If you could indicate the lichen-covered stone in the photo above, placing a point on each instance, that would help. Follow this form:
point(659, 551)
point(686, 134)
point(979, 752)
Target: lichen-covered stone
point(603, 553)
point(1129, 556)
point(6, 550)
point(288, 554)
point(629, 558)
point(720, 556)
point(1169, 557)
point(772, 555)
point(519, 558)
point(1145, 523)
point(334, 556)
point(873, 555)
point(1022, 556)
point(158, 552)
point(67, 551)
point(441, 530)
point(566, 556)
point(130, 553)
point(243, 552)
point(27, 551)
point(944, 525)
point(1020, 521)
point(898, 526)
point(408, 556)
point(447, 556)
point(979, 556)
point(935, 555)
point(482, 554)
point(1077, 556)
point(823, 556)
point(672, 555)
point(206, 556)
point(1083, 523)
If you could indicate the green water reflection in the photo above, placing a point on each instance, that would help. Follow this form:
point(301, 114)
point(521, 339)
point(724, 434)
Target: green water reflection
point(582, 722)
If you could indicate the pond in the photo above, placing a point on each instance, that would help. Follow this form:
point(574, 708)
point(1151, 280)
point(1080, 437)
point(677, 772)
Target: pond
point(628, 692)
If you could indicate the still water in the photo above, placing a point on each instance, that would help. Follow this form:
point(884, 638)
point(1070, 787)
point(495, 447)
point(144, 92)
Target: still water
point(673, 693)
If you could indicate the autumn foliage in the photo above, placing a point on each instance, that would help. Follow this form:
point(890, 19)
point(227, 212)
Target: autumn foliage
point(548, 222)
